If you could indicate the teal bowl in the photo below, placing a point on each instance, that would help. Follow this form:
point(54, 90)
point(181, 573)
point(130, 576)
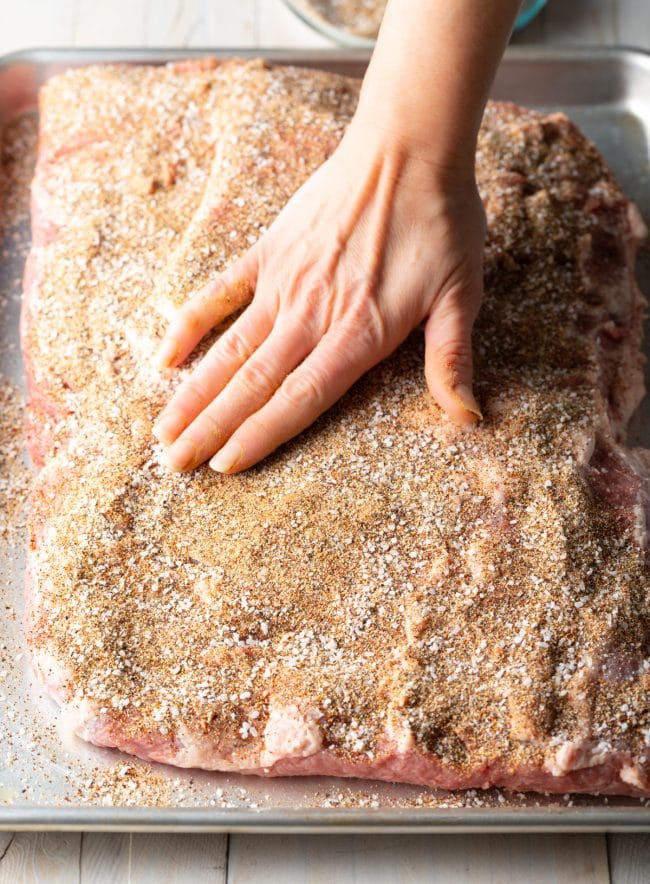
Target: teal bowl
point(529, 9)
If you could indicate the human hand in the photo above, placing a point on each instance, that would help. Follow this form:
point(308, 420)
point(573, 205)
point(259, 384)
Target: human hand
point(375, 242)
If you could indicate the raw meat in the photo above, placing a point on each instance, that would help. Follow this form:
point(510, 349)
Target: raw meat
point(387, 596)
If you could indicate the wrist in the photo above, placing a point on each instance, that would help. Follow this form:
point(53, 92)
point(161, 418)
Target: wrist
point(424, 163)
point(429, 76)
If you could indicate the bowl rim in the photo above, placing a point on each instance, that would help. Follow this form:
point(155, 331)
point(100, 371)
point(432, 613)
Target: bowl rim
point(301, 9)
point(524, 18)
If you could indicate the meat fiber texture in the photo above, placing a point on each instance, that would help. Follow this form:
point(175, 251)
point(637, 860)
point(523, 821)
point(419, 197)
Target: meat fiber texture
point(387, 596)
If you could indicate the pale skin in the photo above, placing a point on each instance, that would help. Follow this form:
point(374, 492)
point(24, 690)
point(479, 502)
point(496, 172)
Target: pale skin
point(386, 235)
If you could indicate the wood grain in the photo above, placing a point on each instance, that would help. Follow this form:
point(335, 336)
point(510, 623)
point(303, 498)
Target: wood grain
point(105, 856)
point(5, 842)
point(629, 859)
point(173, 22)
point(397, 859)
point(47, 857)
point(36, 23)
point(153, 858)
point(118, 23)
point(229, 23)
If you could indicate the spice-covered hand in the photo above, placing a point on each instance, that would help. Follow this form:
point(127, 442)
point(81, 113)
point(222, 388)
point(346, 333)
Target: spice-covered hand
point(387, 233)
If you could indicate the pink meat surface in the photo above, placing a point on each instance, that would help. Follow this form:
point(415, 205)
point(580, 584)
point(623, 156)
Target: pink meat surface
point(388, 597)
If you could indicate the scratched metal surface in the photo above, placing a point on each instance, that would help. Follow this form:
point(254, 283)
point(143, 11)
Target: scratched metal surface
point(47, 781)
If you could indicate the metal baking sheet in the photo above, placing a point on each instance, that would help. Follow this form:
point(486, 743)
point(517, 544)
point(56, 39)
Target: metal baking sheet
point(47, 782)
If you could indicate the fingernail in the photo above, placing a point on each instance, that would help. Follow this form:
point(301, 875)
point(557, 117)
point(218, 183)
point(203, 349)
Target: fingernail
point(229, 456)
point(167, 429)
point(466, 398)
point(181, 455)
point(167, 353)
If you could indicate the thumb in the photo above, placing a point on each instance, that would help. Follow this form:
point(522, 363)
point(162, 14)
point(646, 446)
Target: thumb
point(448, 355)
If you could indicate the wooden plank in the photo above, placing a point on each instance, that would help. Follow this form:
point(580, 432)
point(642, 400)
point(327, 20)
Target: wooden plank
point(33, 23)
point(105, 856)
point(582, 21)
point(118, 23)
point(175, 859)
point(5, 841)
point(393, 859)
point(277, 26)
point(48, 857)
point(197, 23)
point(128, 23)
point(229, 23)
point(629, 858)
point(153, 859)
point(172, 22)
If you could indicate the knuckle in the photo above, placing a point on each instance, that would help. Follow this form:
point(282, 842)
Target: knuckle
point(192, 390)
point(256, 379)
point(304, 324)
point(367, 283)
point(311, 301)
point(210, 432)
point(365, 325)
point(302, 389)
point(254, 429)
point(464, 297)
point(313, 298)
point(454, 354)
point(235, 346)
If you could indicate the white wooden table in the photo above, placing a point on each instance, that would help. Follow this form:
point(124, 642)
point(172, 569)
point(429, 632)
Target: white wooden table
point(244, 859)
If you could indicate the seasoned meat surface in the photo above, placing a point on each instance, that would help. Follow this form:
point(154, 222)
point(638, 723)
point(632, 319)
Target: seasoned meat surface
point(388, 595)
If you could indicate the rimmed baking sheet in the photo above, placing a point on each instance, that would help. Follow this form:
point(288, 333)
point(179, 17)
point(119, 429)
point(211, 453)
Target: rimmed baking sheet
point(48, 783)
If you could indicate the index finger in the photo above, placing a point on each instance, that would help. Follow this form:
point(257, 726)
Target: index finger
point(229, 292)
